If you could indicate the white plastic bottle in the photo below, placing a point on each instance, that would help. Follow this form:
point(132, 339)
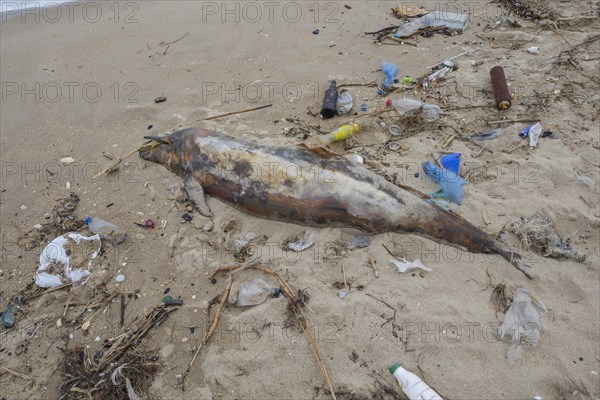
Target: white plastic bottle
point(412, 385)
point(107, 231)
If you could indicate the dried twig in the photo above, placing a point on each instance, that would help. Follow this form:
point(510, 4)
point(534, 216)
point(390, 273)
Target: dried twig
point(15, 373)
point(225, 115)
point(373, 267)
point(296, 308)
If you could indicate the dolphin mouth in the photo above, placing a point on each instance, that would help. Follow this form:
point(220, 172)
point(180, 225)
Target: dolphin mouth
point(155, 149)
point(161, 139)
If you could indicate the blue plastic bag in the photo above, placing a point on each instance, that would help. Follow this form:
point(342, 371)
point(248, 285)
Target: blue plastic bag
point(450, 183)
point(391, 70)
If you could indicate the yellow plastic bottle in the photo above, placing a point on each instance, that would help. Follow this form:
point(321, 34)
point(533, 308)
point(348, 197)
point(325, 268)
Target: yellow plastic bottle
point(341, 133)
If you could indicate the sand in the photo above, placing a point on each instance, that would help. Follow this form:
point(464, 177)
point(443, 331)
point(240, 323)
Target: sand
point(109, 72)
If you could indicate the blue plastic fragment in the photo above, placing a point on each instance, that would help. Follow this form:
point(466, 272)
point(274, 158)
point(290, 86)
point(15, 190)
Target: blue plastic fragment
point(525, 132)
point(451, 162)
point(390, 70)
point(450, 183)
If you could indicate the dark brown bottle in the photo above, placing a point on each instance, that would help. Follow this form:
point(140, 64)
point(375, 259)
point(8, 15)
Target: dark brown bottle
point(331, 94)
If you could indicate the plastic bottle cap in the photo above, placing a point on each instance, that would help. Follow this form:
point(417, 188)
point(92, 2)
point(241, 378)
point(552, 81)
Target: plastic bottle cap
point(393, 368)
point(87, 220)
point(388, 102)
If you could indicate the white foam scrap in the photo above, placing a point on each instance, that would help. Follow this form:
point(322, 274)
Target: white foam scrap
point(407, 266)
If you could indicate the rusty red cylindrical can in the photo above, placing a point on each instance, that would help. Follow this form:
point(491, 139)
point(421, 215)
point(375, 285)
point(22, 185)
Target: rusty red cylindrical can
point(501, 93)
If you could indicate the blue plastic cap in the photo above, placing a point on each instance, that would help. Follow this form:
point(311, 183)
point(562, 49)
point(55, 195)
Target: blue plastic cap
point(87, 220)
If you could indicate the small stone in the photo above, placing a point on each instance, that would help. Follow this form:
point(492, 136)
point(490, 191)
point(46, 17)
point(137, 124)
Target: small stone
point(150, 126)
point(315, 32)
point(120, 278)
point(23, 207)
point(187, 217)
point(160, 99)
point(97, 339)
point(167, 290)
point(213, 281)
point(38, 226)
point(1, 272)
point(68, 185)
point(342, 294)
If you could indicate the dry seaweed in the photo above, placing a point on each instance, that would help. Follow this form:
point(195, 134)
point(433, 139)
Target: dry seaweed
point(131, 377)
point(117, 371)
point(536, 232)
point(61, 221)
point(534, 10)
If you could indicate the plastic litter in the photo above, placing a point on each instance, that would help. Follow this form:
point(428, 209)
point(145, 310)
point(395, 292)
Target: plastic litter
point(395, 130)
point(357, 158)
point(359, 242)
point(438, 18)
point(303, 244)
point(243, 240)
point(448, 66)
point(341, 133)
point(344, 103)
point(451, 162)
point(587, 181)
point(7, 317)
point(255, 292)
point(342, 294)
point(533, 50)
point(393, 146)
point(57, 256)
point(407, 266)
point(534, 133)
point(448, 19)
point(430, 112)
point(363, 107)
point(522, 322)
point(450, 182)
point(108, 232)
point(390, 70)
point(488, 135)
point(412, 386)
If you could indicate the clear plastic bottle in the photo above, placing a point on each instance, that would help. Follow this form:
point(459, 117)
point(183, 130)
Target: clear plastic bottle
point(412, 386)
point(431, 112)
point(255, 292)
point(107, 231)
point(341, 133)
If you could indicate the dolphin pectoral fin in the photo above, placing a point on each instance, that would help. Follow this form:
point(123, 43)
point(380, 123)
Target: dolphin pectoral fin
point(195, 193)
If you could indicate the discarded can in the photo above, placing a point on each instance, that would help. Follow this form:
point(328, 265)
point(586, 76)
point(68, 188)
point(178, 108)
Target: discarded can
point(501, 93)
point(329, 100)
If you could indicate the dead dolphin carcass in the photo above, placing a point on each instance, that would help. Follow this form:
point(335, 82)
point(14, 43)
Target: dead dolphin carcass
point(295, 184)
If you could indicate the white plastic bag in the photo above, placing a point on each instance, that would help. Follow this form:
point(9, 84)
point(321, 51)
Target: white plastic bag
point(56, 255)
